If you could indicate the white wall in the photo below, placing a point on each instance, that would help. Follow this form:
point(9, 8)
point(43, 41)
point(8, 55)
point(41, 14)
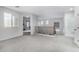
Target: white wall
point(77, 16)
point(7, 33)
point(33, 23)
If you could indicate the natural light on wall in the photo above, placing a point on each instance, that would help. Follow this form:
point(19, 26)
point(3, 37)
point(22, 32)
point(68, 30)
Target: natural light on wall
point(42, 22)
point(47, 22)
point(9, 20)
point(13, 21)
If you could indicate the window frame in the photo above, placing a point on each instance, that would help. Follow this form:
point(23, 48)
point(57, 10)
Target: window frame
point(9, 20)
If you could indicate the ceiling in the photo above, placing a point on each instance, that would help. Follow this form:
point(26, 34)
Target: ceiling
point(46, 11)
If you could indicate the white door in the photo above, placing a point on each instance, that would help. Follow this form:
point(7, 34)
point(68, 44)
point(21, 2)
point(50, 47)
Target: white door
point(76, 32)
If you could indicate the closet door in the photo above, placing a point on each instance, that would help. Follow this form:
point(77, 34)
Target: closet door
point(76, 34)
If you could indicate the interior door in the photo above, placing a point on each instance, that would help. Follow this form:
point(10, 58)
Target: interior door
point(76, 34)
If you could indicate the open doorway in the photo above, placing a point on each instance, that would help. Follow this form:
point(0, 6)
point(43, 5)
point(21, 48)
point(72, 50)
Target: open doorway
point(56, 27)
point(26, 25)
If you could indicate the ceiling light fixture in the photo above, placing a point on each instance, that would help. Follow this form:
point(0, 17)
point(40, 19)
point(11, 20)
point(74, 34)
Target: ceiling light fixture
point(71, 9)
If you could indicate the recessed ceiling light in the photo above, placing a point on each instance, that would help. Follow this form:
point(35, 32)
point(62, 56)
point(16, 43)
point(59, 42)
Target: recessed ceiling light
point(71, 9)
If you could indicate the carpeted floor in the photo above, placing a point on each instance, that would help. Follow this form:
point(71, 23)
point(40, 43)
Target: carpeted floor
point(38, 43)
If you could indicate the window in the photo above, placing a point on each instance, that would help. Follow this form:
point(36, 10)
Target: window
point(13, 21)
point(57, 25)
point(28, 24)
point(9, 20)
point(42, 22)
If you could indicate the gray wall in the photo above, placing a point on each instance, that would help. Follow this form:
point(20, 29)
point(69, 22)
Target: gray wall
point(7, 33)
point(33, 24)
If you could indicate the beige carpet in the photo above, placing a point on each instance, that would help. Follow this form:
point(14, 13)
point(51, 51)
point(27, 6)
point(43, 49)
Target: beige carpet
point(38, 43)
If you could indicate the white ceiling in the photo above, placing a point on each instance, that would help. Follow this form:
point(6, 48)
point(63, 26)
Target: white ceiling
point(47, 11)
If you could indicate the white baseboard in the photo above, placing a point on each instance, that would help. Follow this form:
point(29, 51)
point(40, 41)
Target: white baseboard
point(7, 38)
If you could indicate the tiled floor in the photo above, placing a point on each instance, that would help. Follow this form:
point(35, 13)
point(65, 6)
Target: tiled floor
point(38, 43)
